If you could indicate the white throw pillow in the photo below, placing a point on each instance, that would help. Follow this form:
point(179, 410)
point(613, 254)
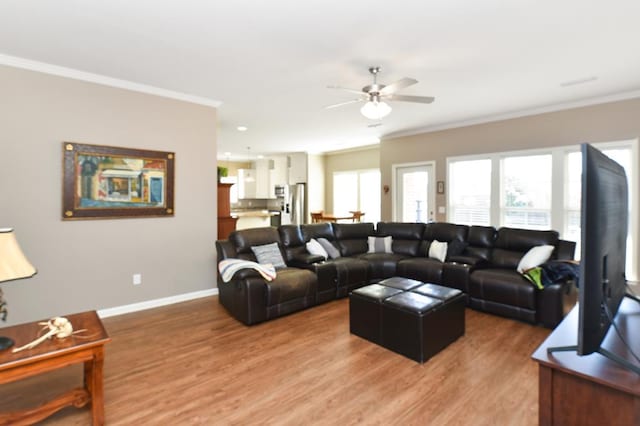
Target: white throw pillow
point(314, 247)
point(536, 256)
point(380, 244)
point(438, 250)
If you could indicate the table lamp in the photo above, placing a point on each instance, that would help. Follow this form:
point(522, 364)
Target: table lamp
point(13, 266)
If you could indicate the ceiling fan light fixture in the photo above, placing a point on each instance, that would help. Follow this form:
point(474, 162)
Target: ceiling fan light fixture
point(375, 110)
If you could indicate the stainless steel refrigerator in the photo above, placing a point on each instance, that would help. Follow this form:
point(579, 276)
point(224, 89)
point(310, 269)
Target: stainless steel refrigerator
point(295, 205)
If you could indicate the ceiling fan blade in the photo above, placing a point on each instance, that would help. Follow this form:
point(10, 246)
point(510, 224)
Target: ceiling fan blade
point(359, 92)
point(400, 84)
point(344, 103)
point(408, 98)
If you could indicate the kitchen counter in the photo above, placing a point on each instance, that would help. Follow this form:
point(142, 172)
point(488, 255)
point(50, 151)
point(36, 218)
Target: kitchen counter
point(248, 218)
point(254, 213)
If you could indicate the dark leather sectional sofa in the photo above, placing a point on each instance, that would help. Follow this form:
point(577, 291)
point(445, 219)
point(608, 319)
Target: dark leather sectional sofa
point(484, 269)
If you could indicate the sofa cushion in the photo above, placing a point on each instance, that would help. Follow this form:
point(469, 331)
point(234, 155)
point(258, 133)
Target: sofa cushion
point(290, 284)
point(441, 231)
point(511, 244)
point(269, 254)
point(406, 236)
point(420, 268)
point(504, 286)
point(244, 239)
point(317, 231)
point(382, 265)
point(480, 240)
point(292, 242)
point(352, 237)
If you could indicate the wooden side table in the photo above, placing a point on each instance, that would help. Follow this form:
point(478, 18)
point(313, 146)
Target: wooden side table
point(589, 390)
point(86, 347)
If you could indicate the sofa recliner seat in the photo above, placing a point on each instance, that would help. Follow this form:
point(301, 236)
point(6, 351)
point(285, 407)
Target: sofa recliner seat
point(248, 296)
point(499, 288)
point(351, 272)
point(423, 268)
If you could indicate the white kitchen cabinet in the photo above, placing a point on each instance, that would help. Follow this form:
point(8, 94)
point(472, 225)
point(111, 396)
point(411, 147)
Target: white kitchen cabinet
point(256, 182)
point(297, 168)
point(246, 183)
point(280, 172)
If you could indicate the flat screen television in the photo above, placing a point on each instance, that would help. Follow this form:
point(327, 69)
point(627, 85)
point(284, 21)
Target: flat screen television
point(604, 226)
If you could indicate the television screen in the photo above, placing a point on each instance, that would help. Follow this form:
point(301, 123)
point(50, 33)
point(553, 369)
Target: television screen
point(604, 224)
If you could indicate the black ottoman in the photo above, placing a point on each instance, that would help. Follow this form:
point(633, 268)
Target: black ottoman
point(419, 326)
point(364, 310)
point(400, 283)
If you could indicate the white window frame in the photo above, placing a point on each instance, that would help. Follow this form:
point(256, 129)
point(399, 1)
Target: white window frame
point(357, 172)
point(394, 185)
point(558, 187)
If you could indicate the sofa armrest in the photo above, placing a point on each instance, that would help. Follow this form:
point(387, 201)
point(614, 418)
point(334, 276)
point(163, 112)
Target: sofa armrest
point(474, 262)
point(245, 297)
point(305, 259)
point(565, 250)
point(554, 303)
point(456, 275)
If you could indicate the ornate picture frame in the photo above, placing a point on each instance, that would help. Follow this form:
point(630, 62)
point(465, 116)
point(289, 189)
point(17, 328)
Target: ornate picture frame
point(101, 182)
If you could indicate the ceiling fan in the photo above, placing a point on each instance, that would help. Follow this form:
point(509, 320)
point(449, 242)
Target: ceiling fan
point(374, 95)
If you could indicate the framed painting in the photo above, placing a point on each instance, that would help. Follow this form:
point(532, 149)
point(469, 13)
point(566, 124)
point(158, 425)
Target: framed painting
point(108, 182)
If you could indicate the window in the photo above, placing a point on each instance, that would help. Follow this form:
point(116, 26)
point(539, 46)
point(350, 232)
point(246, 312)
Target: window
point(470, 192)
point(535, 190)
point(526, 192)
point(573, 184)
point(357, 190)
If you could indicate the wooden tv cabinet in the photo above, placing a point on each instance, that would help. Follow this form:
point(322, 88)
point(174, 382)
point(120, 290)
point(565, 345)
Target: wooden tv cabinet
point(590, 390)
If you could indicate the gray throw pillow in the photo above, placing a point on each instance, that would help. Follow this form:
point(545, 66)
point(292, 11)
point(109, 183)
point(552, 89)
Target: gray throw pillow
point(269, 253)
point(329, 248)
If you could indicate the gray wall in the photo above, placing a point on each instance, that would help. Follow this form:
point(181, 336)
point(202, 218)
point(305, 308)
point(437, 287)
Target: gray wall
point(88, 264)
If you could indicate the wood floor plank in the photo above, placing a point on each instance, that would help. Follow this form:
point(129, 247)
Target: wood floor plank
point(191, 363)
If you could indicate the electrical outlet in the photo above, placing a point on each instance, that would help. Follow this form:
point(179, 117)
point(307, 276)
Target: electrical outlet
point(137, 279)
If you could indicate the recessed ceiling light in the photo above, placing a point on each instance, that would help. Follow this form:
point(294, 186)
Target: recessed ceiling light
point(579, 81)
point(260, 156)
point(242, 128)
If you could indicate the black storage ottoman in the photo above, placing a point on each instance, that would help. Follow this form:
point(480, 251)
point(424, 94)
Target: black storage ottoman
point(364, 310)
point(419, 326)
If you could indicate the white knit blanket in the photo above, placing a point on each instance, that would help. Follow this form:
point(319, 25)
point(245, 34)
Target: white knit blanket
point(228, 268)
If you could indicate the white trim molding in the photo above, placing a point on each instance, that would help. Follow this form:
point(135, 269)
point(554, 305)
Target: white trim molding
point(155, 303)
point(16, 62)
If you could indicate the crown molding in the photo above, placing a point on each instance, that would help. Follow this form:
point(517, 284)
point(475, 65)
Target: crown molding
point(518, 114)
point(16, 62)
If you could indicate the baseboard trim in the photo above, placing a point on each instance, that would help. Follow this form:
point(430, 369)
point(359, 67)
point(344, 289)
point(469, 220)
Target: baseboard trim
point(155, 303)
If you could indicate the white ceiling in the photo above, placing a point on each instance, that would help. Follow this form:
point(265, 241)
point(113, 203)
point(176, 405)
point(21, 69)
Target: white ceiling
point(270, 62)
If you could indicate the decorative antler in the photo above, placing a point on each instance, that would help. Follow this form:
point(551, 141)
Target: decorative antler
point(59, 327)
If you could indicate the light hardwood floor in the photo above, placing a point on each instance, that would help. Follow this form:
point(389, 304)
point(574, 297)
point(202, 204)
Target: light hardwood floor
point(191, 363)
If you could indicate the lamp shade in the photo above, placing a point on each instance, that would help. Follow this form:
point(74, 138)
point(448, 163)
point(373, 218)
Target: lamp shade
point(13, 264)
point(375, 110)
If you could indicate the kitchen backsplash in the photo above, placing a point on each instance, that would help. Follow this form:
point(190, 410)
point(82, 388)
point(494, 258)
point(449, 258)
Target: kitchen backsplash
point(257, 204)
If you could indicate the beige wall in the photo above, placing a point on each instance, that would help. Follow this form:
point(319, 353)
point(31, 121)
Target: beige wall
point(316, 182)
point(605, 122)
point(357, 159)
point(88, 264)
